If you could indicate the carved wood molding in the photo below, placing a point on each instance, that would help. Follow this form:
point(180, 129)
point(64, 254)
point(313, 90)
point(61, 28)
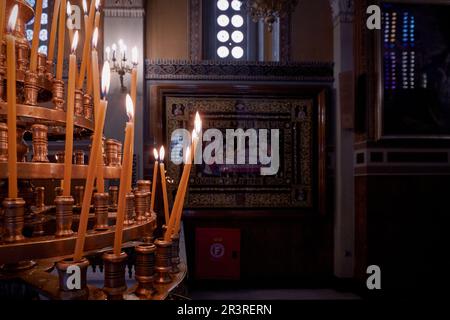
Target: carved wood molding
point(234, 70)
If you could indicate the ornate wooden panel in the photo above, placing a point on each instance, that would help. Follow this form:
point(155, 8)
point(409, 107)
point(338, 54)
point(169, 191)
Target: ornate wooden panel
point(242, 185)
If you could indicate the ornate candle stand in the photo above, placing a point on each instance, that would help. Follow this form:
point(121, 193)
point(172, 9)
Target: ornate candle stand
point(41, 226)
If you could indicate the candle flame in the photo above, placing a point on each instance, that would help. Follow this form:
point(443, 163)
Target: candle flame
point(97, 5)
point(134, 55)
point(130, 107)
point(85, 9)
point(106, 75)
point(187, 158)
point(69, 9)
point(13, 18)
point(75, 42)
point(95, 38)
point(198, 123)
point(162, 153)
point(155, 154)
point(194, 135)
point(114, 47)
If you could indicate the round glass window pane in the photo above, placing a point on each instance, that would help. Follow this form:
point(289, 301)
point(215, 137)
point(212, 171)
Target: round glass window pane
point(43, 35)
point(42, 49)
point(223, 5)
point(223, 36)
point(223, 52)
point(237, 52)
point(223, 20)
point(237, 36)
point(237, 21)
point(44, 19)
point(236, 5)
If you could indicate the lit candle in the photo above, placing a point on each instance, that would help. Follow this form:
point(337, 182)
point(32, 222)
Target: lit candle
point(69, 117)
point(2, 19)
point(61, 35)
point(53, 31)
point(163, 184)
point(184, 176)
point(178, 208)
point(11, 96)
point(133, 98)
point(87, 42)
point(155, 175)
point(97, 14)
point(90, 73)
point(95, 85)
point(95, 70)
point(93, 160)
point(35, 41)
point(69, 23)
point(125, 176)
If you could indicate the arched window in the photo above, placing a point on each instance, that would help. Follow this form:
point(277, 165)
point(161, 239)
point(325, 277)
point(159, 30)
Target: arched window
point(43, 34)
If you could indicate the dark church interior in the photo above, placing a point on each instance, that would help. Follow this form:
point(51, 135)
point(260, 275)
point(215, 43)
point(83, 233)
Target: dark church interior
point(224, 149)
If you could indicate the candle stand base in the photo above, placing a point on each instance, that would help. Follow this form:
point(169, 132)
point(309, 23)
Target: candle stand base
point(163, 264)
point(64, 216)
point(145, 268)
point(13, 219)
point(115, 285)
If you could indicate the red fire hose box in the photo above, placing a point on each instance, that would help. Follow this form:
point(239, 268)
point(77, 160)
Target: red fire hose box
point(217, 253)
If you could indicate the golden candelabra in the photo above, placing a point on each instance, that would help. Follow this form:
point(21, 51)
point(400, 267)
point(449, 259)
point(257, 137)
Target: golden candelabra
point(38, 230)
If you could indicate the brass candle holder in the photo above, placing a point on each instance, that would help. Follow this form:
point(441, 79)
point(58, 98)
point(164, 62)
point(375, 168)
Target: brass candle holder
point(101, 211)
point(129, 209)
point(13, 219)
point(141, 205)
point(3, 142)
point(38, 227)
point(60, 156)
point(31, 88)
point(163, 264)
point(58, 94)
point(175, 254)
point(79, 194)
point(146, 186)
point(58, 192)
point(79, 107)
point(40, 143)
point(145, 269)
point(64, 216)
point(79, 157)
point(120, 152)
point(113, 197)
point(115, 285)
point(41, 64)
point(68, 289)
point(49, 70)
point(112, 154)
point(22, 52)
point(88, 106)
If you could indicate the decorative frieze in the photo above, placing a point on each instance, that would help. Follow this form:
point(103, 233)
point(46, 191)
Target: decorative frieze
point(237, 70)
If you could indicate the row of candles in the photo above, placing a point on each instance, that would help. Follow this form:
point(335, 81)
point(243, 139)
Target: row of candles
point(95, 167)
